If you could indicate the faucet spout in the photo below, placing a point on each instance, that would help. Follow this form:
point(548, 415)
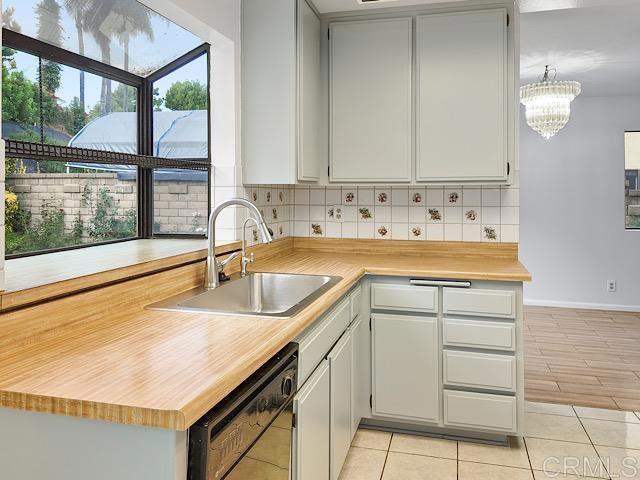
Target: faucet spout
point(213, 268)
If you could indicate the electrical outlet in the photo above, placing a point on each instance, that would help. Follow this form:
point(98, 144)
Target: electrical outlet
point(338, 213)
point(611, 286)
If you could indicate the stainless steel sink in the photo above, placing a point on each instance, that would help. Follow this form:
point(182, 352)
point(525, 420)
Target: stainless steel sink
point(262, 294)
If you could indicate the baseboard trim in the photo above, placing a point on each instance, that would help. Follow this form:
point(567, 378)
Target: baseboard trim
point(582, 306)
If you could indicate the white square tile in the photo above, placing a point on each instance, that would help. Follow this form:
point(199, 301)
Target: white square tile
point(349, 213)
point(365, 196)
point(472, 215)
point(399, 214)
point(435, 196)
point(510, 197)
point(510, 215)
point(490, 197)
point(334, 230)
point(399, 196)
point(491, 215)
point(317, 213)
point(471, 196)
point(510, 233)
point(349, 230)
point(301, 195)
point(417, 214)
point(453, 232)
point(452, 214)
point(301, 229)
point(333, 196)
point(382, 214)
point(365, 230)
point(317, 196)
point(400, 231)
point(472, 233)
point(435, 232)
point(301, 212)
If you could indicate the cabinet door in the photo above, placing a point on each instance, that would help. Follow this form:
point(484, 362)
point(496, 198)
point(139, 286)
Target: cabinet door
point(340, 359)
point(405, 367)
point(462, 96)
point(311, 432)
point(310, 147)
point(370, 100)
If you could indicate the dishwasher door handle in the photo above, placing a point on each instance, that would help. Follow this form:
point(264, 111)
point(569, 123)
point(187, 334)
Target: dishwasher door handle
point(440, 283)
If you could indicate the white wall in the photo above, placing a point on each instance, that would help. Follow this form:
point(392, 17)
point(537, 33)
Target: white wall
point(572, 235)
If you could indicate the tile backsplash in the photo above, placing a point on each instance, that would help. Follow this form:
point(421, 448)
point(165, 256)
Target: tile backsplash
point(452, 213)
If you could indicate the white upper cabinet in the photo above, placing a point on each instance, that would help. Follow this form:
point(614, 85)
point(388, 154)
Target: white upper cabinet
point(281, 92)
point(462, 97)
point(370, 90)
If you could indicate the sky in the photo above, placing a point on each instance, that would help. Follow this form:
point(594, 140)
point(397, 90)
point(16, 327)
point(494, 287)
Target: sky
point(170, 42)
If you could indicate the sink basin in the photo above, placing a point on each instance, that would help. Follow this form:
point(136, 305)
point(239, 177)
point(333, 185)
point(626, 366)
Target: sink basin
point(262, 294)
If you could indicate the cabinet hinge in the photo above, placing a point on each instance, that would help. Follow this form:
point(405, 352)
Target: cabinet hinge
point(508, 168)
point(370, 321)
point(293, 421)
point(371, 401)
point(329, 171)
point(328, 33)
point(508, 19)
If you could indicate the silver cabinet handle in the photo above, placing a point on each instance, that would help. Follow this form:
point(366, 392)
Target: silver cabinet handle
point(440, 283)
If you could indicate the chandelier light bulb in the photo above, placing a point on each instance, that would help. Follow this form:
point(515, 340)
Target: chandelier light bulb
point(548, 104)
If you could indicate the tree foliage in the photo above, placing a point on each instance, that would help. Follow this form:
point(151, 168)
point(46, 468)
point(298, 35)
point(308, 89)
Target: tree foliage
point(187, 95)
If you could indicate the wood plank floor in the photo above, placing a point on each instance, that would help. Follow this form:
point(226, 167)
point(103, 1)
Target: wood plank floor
point(582, 357)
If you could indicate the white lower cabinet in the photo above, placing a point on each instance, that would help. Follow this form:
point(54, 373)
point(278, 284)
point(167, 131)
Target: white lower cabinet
point(311, 433)
point(340, 359)
point(405, 367)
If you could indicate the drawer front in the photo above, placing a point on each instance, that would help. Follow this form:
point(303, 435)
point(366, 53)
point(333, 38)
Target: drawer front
point(404, 297)
point(479, 370)
point(483, 303)
point(480, 411)
point(315, 346)
point(479, 334)
point(355, 298)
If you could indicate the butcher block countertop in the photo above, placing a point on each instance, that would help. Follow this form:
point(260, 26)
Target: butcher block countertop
point(99, 354)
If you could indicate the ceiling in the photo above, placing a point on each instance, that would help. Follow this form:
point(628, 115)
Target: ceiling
point(598, 46)
point(596, 42)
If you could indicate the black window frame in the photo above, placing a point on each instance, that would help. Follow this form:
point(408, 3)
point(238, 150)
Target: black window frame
point(144, 160)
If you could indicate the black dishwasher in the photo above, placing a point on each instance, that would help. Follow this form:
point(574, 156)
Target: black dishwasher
point(248, 435)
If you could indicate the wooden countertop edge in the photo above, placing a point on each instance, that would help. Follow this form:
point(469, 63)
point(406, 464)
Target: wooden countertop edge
point(525, 276)
point(49, 291)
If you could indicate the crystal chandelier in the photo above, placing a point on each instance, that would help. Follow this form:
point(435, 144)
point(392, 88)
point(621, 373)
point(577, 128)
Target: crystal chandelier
point(548, 103)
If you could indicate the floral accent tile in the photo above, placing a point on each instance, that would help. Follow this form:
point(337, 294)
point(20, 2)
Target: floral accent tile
point(330, 213)
point(316, 229)
point(255, 235)
point(281, 230)
point(416, 232)
point(365, 213)
point(416, 198)
point(281, 198)
point(383, 195)
point(274, 213)
point(490, 233)
point(268, 196)
point(254, 196)
point(471, 215)
point(453, 196)
point(434, 215)
point(349, 197)
point(382, 231)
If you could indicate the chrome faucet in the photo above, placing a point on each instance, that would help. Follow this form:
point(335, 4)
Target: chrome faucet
point(214, 266)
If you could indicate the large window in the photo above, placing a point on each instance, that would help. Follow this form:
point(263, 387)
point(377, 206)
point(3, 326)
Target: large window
point(106, 124)
point(632, 179)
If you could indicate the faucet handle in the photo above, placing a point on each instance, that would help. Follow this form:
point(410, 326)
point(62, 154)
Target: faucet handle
point(226, 261)
point(251, 257)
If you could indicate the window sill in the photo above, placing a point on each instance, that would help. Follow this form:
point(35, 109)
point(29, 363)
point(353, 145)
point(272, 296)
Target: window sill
point(44, 277)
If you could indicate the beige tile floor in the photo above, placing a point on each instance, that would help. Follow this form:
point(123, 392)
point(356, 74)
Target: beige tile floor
point(560, 442)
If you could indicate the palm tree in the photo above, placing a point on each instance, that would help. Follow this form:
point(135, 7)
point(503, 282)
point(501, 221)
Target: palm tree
point(78, 8)
point(122, 19)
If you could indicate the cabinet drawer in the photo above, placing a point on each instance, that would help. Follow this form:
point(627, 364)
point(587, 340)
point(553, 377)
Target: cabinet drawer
point(404, 297)
point(479, 370)
point(355, 298)
point(480, 411)
point(317, 343)
point(479, 334)
point(483, 303)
